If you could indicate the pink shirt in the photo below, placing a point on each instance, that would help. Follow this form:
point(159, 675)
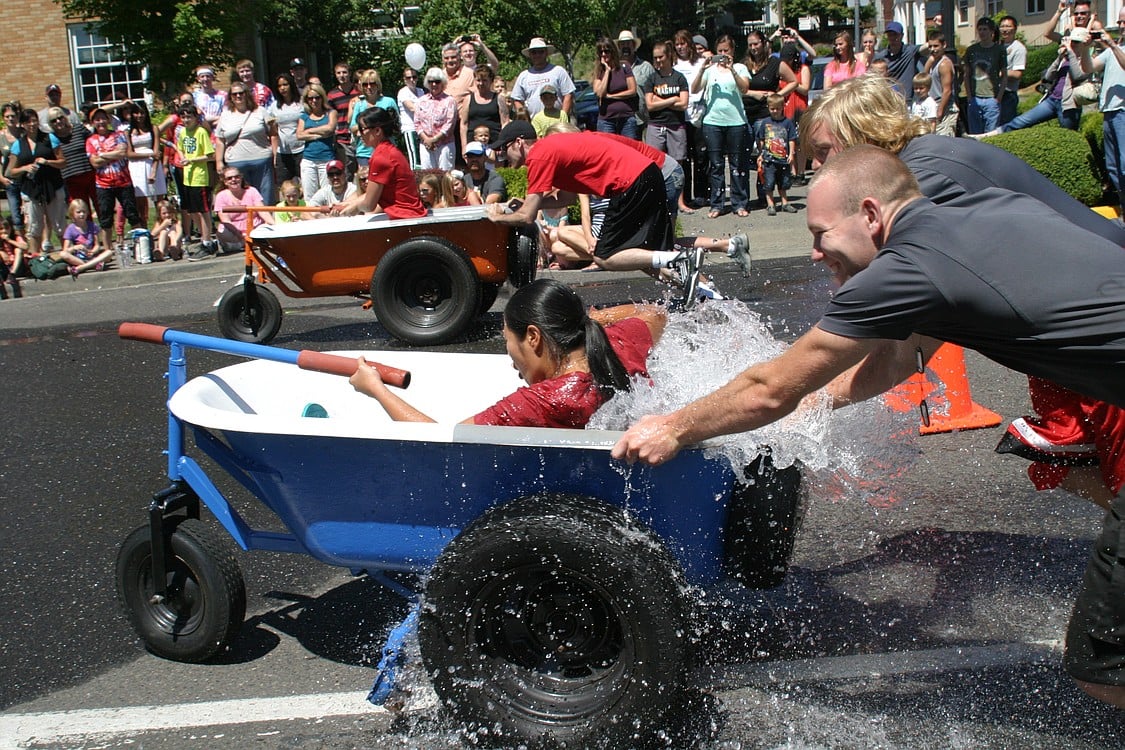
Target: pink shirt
point(835, 72)
point(436, 117)
point(226, 199)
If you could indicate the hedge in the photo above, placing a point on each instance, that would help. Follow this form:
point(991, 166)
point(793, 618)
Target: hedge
point(1038, 60)
point(1062, 156)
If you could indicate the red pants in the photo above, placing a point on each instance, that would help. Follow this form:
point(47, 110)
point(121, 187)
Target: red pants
point(1071, 426)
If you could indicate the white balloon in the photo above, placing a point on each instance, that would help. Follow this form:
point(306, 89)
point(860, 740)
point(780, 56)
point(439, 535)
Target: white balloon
point(415, 55)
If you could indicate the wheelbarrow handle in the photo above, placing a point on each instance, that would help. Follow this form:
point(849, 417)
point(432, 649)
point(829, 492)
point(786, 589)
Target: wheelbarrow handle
point(332, 364)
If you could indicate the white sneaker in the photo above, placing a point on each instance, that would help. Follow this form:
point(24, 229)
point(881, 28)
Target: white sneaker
point(738, 249)
point(705, 290)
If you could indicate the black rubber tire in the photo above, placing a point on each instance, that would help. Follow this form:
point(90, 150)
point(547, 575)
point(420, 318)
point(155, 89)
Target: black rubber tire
point(558, 620)
point(206, 600)
point(523, 258)
point(762, 524)
point(425, 291)
point(488, 295)
point(256, 324)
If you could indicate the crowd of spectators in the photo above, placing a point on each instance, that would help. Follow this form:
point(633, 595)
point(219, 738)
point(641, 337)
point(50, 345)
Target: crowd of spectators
point(724, 116)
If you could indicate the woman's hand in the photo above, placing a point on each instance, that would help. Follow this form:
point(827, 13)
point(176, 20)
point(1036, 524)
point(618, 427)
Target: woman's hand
point(366, 378)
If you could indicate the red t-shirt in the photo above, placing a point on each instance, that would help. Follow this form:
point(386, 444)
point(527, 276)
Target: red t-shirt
point(389, 168)
point(115, 173)
point(657, 156)
point(583, 163)
point(570, 400)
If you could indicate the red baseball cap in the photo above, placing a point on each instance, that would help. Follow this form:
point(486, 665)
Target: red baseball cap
point(334, 165)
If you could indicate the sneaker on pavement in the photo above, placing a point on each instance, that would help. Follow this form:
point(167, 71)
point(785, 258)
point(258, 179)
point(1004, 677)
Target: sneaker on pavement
point(688, 264)
point(771, 211)
point(203, 252)
point(738, 249)
point(789, 208)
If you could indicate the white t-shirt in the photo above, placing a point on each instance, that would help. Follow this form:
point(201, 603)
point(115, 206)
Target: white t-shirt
point(925, 109)
point(326, 196)
point(405, 116)
point(1017, 60)
point(530, 82)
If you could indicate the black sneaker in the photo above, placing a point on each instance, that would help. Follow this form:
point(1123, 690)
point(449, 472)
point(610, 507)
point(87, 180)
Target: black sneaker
point(687, 265)
point(203, 252)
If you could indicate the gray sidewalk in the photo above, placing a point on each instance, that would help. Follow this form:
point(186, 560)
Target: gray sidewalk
point(781, 236)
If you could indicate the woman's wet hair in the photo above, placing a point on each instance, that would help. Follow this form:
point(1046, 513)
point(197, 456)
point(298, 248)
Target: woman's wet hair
point(377, 117)
point(559, 313)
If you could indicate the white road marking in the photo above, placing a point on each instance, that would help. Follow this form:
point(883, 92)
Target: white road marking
point(18, 729)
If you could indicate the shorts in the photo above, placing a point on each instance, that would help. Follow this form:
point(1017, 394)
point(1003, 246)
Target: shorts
point(81, 187)
point(670, 140)
point(637, 217)
point(775, 173)
point(195, 200)
point(1095, 638)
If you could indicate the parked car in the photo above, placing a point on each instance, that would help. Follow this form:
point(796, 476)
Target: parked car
point(585, 106)
point(817, 86)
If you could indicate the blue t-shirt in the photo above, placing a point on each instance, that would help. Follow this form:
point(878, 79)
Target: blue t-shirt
point(774, 137)
point(322, 149)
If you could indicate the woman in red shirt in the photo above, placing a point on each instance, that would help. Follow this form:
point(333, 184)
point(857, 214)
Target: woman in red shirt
point(572, 360)
point(391, 187)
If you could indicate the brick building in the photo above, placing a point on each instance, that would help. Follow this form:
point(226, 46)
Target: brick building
point(85, 66)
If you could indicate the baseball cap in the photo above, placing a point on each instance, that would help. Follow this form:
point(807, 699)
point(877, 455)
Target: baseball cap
point(334, 166)
point(895, 26)
point(475, 148)
point(95, 112)
point(513, 130)
point(297, 62)
point(699, 39)
point(549, 89)
point(53, 87)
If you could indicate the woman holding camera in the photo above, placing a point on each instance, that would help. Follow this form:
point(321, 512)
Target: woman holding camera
point(723, 83)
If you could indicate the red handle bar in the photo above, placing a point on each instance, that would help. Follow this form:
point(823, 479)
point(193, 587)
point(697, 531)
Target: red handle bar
point(332, 364)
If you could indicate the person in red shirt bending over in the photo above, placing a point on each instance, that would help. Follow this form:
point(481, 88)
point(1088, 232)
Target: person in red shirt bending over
point(391, 186)
point(637, 234)
point(572, 360)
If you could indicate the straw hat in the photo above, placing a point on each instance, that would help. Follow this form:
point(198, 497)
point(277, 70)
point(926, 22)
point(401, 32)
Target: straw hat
point(538, 43)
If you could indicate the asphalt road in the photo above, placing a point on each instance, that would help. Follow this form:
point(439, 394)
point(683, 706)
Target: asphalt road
point(932, 620)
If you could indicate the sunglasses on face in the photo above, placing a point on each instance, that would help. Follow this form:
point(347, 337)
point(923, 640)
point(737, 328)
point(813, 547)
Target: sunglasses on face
point(313, 98)
point(335, 174)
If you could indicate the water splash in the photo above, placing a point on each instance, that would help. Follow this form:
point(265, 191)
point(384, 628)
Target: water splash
point(861, 449)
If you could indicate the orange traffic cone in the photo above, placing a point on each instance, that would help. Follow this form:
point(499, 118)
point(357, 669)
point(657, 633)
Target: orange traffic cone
point(947, 400)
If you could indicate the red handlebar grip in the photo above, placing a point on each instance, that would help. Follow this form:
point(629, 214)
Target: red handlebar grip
point(153, 334)
point(334, 364)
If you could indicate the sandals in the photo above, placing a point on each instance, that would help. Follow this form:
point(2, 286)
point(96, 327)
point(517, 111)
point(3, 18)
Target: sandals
point(713, 215)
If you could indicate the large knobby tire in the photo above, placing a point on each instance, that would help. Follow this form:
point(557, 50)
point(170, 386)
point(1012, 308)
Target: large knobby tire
point(523, 258)
point(205, 604)
point(257, 322)
point(488, 295)
point(557, 620)
point(425, 291)
point(762, 523)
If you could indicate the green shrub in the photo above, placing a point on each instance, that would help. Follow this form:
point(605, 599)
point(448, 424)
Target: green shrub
point(1062, 156)
point(515, 180)
point(1038, 60)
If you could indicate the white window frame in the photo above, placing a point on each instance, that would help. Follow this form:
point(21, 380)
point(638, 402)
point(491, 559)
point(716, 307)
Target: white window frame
point(1035, 7)
point(992, 7)
point(99, 67)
